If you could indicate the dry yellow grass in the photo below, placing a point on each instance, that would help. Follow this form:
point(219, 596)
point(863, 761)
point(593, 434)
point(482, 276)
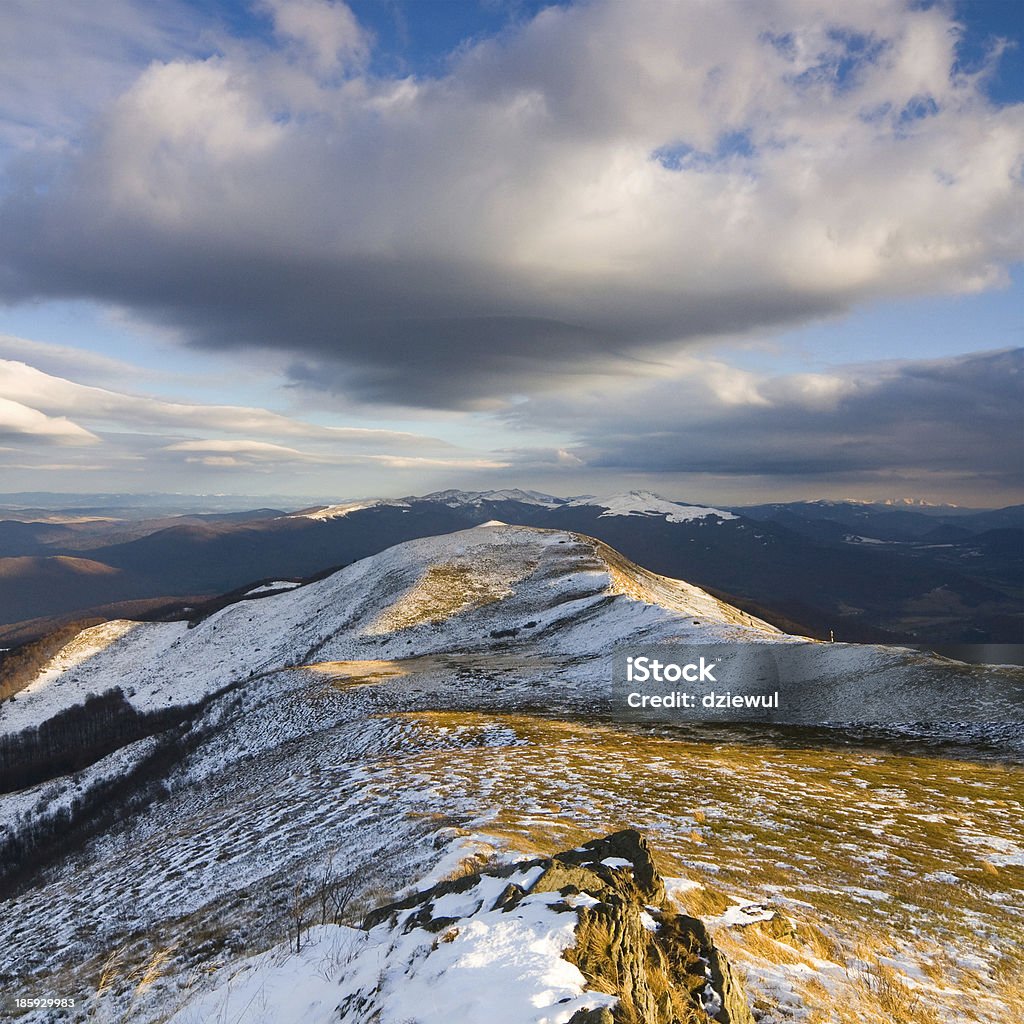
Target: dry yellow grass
point(110, 972)
point(865, 841)
point(444, 590)
point(471, 865)
point(891, 992)
point(154, 968)
point(703, 902)
point(753, 941)
point(821, 945)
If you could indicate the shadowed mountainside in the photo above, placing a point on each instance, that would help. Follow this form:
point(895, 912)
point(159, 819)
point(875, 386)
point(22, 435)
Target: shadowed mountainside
point(812, 567)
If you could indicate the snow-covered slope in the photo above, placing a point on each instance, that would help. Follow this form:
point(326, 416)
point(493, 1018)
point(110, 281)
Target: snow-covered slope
point(408, 974)
point(450, 498)
point(439, 594)
point(444, 701)
point(347, 508)
point(647, 503)
point(516, 932)
point(454, 498)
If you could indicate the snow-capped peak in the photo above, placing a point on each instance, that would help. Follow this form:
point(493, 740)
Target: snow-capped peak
point(452, 498)
point(647, 503)
point(455, 497)
point(347, 508)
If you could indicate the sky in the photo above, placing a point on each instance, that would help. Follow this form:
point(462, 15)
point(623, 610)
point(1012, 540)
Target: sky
point(728, 251)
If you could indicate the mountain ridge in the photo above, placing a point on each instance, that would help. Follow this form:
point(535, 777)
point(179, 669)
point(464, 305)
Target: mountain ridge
point(866, 574)
point(216, 793)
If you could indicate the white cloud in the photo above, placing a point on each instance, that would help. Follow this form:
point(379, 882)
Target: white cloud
point(609, 180)
point(419, 462)
point(64, 360)
point(242, 451)
point(251, 454)
point(64, 61)
point(819, 391)
point(58, 467)
point(590, 191)
point(221, 462)
point(105, 408)
point(328, 31)
point(21, 422)
point(143, 434)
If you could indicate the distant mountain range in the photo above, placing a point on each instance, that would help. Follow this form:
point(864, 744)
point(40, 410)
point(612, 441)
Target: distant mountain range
point(868, 572)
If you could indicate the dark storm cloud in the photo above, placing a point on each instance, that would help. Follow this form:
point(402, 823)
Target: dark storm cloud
point(421, 333)
point(961, 418)
point(564, 202)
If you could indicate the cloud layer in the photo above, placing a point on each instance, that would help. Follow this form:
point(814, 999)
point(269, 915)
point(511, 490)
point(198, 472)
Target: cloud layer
point(589, 192)
point(20, 422)
point(542, 243)
point(952, 425)
point(135, 433)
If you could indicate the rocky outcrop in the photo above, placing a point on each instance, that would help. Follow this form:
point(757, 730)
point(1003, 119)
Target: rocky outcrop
point(660, 966)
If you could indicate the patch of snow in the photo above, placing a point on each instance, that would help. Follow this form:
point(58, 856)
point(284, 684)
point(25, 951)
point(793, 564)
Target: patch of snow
point(646, 503)
point(458, 499)
point(945, 877)
point(675, 887)
point(393, 974)
point(347, 508)
point(279, 985)
point(1000, 852)
point(741, 914)
point(861, 895)
point(712, 1001)
point(582, 899)
point(266, 588)
point(459, 849)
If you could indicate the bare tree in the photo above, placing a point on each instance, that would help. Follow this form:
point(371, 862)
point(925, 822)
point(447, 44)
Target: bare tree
point(297, 913)
point(334, 892)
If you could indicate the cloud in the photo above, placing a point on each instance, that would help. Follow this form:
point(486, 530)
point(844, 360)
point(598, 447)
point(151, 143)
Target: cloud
point(418, 462)
point(589, 192)
point(64, 360)
point(248, 454)
point(136, 434)
point(20, 422)
point(222, 462)
point(957, 419)
point(57, 467)
point(63, 62)
point(241, 454)
point(327, 31)
point(254, 449)
point(103, 407)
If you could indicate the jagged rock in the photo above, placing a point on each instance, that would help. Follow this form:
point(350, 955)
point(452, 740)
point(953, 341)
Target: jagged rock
point(602, 1015)
point(627, 845)
point(661, 964)
point(424, 900)
point(630, 942)
point(509, 897)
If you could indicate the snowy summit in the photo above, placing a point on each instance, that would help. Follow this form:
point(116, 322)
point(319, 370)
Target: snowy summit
point(647, 503)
